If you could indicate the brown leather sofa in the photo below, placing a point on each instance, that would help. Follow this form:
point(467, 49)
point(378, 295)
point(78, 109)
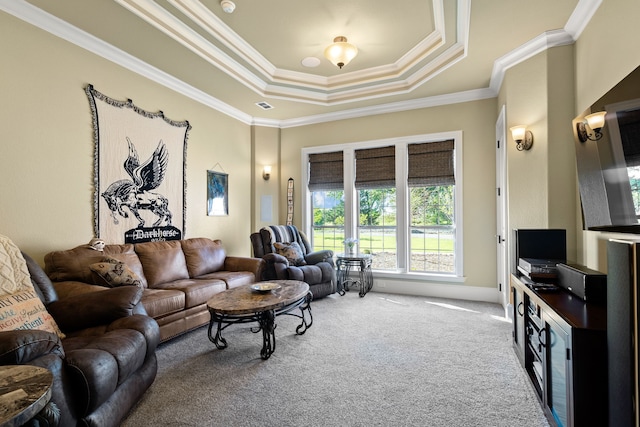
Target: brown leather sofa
point(178, 277)
point(104, 364)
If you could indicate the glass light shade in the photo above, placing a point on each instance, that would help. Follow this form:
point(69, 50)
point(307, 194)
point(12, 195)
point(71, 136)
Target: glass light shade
point(518, 132)
point(267, 169)
point(340, 53)
point(596, 120)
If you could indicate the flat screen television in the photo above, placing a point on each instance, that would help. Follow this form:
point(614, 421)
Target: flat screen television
point(609, 166)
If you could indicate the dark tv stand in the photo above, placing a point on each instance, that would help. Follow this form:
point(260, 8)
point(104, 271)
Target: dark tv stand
point(561, 341)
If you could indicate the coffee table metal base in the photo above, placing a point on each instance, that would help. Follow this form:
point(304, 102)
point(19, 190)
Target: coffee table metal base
point(266, 323)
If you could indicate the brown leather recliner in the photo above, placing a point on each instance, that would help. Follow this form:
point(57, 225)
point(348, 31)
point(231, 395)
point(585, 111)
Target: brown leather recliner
point(318, 271)
point(104, 364)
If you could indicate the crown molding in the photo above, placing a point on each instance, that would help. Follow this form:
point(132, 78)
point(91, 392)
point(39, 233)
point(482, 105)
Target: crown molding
point(531, 48)
point(394, 107)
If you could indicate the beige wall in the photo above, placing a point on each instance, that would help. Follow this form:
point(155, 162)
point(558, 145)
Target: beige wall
point(542, 181)
point(266, 149)
point(46, 135)
point(476, 120)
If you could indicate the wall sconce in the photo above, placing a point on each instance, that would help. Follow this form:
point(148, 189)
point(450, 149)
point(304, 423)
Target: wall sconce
point(522, 137)
point(590, 129)
point(266, 173)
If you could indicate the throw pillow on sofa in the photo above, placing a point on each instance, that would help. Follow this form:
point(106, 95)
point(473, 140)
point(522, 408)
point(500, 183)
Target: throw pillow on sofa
point(24, 310)
point(291, 251)
point(111, 273)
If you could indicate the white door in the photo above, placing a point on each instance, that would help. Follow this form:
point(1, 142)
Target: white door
point(501, 211)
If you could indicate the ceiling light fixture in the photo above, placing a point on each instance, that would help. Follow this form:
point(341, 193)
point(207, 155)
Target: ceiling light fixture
point(340, 52)
point(522, 137)
point(228, 6)
point(591, 129)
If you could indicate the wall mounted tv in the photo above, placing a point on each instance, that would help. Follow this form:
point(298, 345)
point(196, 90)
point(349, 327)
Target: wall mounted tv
point(609, 168)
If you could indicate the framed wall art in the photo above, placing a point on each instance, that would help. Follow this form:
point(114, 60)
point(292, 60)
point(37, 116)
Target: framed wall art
point(217, 193)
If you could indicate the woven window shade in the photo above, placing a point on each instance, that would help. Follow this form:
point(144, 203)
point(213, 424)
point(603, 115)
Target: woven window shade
point(376, 168)
point(326, 171)
point(431, 163)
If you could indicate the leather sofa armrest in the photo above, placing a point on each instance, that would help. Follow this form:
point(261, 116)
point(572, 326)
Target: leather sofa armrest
point(325, 255)
point(143, 324)
point(21, 347)
point(254, 265)
point(96, 308)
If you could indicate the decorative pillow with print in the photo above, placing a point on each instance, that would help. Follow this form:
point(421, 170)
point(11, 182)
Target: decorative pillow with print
point(291, 251)
point(24, 310)
point(111, 272)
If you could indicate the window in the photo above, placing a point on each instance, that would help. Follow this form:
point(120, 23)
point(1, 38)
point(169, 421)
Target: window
point(375, 182)
point(397, 197)
point(327, 200)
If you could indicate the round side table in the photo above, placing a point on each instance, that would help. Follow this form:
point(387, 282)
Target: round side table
point(344, 264)
point(24, 391)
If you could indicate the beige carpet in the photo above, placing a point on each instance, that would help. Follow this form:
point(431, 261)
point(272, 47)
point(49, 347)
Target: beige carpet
point(381, 360)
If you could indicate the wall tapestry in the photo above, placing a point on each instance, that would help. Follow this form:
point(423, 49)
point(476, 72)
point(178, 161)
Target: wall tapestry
point(139, 172)
point(217, 193)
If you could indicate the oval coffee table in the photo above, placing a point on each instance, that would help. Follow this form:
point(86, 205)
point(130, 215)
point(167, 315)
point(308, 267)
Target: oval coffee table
point(244, 304)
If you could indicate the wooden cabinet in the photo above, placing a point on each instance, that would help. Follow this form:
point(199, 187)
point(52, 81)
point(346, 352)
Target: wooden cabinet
point(518, 322)
point(564, 353)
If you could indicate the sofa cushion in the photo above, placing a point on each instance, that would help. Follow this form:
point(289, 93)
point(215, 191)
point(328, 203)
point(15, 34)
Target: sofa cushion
point(161, 302)
point(203, 256)
point(127, 254)
point(162, 262)
point(73, 264)
point(233, 279)
point(196, 291)
point(25, 310)
point(112, 273)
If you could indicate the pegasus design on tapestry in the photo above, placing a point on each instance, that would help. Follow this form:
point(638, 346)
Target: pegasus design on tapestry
point(135, 194)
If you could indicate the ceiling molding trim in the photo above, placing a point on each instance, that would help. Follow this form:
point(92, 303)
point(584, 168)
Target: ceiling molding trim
point(208, 21)
point(581, 16)
point(394, 107)
point(59, 28)
point(175, 29)
point(531, 48)
point(161, 19)
point(579, 19)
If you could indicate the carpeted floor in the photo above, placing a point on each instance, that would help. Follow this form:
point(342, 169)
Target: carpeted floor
point(381, 360)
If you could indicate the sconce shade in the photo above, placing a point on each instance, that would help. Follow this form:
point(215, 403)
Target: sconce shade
point(340, 52)
point(591, 126)
point(266, 172)
point(596, 120)
point(517, 132)
point(522, 137)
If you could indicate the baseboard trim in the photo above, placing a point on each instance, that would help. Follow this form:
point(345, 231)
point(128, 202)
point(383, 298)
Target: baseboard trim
point(448, 290)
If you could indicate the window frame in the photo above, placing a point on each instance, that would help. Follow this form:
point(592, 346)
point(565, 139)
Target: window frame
point(402, 197)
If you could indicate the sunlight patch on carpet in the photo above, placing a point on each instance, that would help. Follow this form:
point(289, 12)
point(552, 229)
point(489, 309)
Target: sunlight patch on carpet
point(451, 306)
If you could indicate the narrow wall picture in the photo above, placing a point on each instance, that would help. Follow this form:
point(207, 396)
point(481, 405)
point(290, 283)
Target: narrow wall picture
point(139, 172)
point(217, 193)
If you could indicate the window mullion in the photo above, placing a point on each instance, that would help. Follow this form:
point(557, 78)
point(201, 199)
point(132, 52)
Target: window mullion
point(350, 199)
point(403, 232)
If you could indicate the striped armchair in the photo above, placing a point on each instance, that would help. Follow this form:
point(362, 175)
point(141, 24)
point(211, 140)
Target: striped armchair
point(277, 245)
